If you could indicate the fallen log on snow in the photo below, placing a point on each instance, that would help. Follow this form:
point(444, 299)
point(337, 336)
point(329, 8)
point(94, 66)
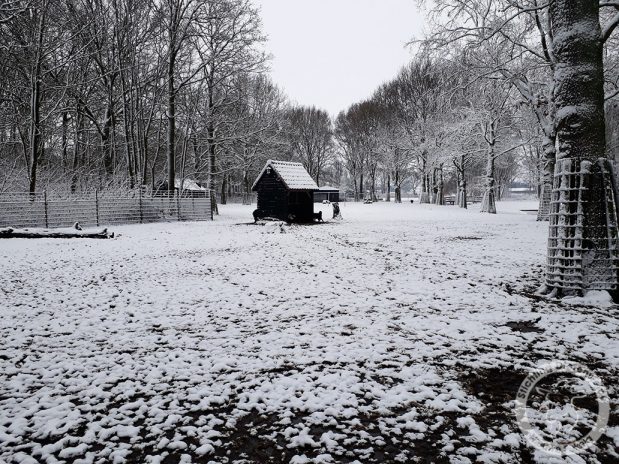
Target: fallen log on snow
point(74, 232)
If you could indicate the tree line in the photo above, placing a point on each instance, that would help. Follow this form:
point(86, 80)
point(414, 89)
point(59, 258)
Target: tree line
point(476, 104)
point(101, 94)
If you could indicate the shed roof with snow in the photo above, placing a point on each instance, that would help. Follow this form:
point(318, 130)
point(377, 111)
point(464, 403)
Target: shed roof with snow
point(189, 184)
point(293, 175)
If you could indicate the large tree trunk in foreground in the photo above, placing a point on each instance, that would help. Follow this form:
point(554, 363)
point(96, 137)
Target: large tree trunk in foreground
point(582, 243)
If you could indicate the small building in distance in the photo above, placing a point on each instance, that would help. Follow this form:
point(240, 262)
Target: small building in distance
point(326, 193)
point(285, 191)
point(190, 189)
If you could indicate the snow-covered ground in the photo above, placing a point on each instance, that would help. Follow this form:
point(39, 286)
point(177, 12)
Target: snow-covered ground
point(398, 334)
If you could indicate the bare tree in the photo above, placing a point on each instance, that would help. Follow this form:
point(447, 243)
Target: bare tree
point(348, 140)
point(179, 18)
point(310, 136)
point(227, 47)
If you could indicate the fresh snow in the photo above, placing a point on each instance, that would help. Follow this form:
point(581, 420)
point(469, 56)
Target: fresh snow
point(397, 334)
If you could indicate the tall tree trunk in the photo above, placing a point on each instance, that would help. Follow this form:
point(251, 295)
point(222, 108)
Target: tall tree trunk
point(224, 189)
point(144, 137)
point(106, 142)
point(129, 152)
point(458, 186)
point(583, 244)
point(423, 195)
point(35, 103)
point(488, 202)
point(361, 186)
point(212, 149)
point(425, 187)
point(432, 184)
point(439, 198)
point(463, 200)
point(373, 185)
point(65, 130)
point(171, 152)
point(247, 188)
point(212, 175)
point(77, 142)
point(35, 129)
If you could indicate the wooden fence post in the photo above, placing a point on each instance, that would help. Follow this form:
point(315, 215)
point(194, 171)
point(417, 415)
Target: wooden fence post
point(45, 206)
point(178, 206)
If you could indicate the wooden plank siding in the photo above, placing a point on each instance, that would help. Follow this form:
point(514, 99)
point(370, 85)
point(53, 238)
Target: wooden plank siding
point(272, 196)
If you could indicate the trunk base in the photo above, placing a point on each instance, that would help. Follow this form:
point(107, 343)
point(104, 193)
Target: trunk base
point(488, 203)
point(583, 243)
point(214, 208)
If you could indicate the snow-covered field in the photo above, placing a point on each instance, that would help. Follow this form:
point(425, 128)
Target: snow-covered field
point(399, 334)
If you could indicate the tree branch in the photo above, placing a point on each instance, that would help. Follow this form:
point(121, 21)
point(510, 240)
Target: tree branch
point(609, 28)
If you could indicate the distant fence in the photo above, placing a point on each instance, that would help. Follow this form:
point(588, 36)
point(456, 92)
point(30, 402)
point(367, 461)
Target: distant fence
point(101, 208)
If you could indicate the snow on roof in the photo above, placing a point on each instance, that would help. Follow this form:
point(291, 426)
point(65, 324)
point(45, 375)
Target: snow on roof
point(188, 184)
point(292, 174)
point(328, 187)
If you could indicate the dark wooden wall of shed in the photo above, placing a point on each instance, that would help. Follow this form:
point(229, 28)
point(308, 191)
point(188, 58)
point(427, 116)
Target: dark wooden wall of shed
point(301, 205)
point(272, 196)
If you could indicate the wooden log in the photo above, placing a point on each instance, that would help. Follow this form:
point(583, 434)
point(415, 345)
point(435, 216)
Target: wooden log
point(9, 232)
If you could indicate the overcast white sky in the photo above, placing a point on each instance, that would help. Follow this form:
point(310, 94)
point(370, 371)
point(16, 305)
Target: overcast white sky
point(332, 53)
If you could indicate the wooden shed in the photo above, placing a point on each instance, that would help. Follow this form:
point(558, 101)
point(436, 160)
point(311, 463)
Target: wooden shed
point(285, 191)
